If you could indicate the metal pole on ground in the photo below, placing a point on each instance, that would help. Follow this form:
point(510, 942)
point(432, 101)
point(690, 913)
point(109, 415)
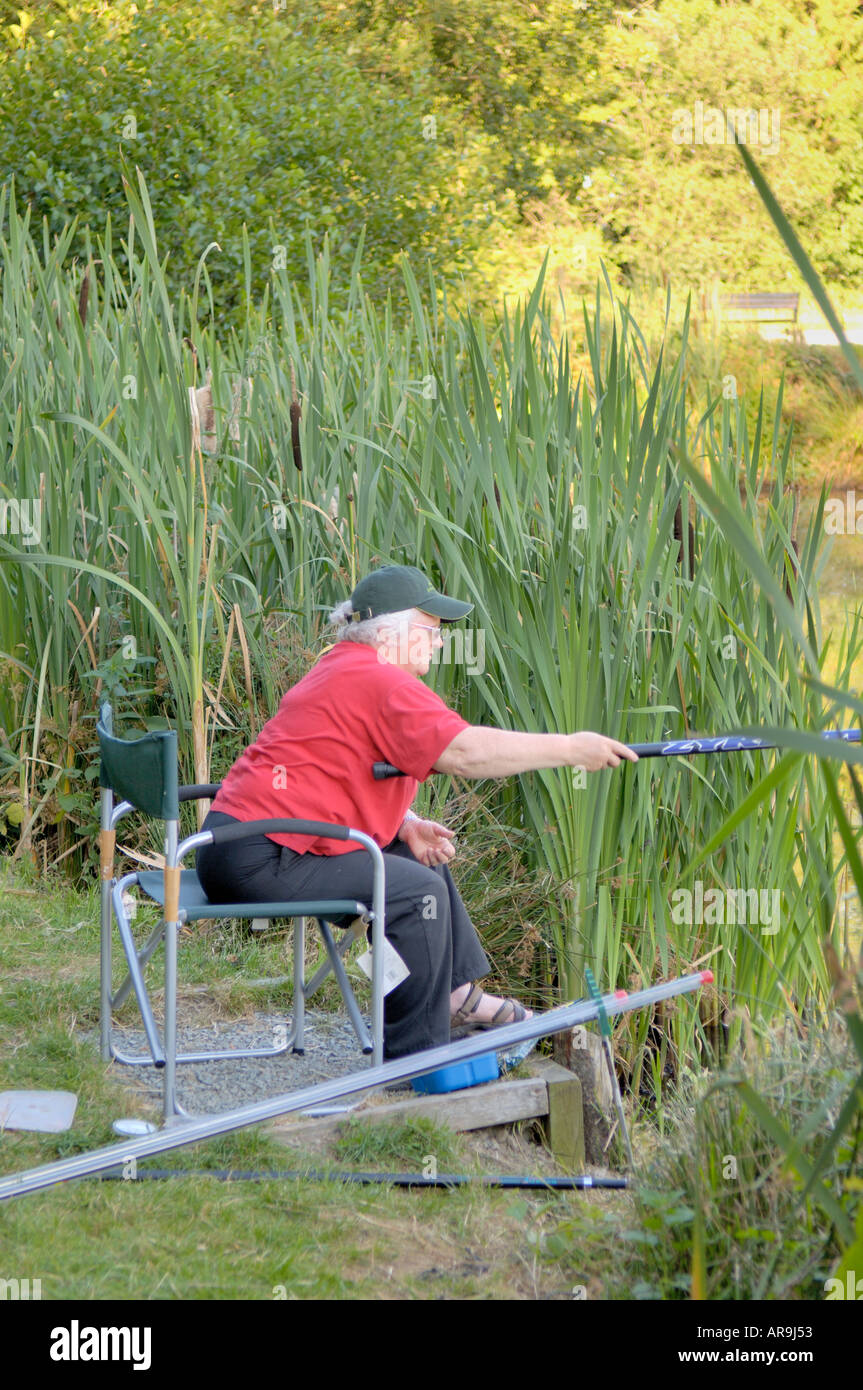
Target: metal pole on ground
point(182, 1133)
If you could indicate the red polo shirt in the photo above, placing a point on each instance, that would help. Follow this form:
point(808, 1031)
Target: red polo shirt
point(313, 759)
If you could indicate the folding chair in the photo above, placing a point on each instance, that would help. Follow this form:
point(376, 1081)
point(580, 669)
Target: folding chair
point(143, 773)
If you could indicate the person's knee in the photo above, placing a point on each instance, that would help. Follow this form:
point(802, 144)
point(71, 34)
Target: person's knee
point(425, 895)
point(433, 905)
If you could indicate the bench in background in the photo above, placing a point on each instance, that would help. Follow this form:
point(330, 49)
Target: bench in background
point(760, 308)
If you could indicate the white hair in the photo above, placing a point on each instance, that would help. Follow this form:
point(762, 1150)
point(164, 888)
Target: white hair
point(369, 630)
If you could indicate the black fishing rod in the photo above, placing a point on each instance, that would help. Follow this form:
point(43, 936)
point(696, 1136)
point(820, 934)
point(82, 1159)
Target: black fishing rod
point(442, 1180)
point(681, 747)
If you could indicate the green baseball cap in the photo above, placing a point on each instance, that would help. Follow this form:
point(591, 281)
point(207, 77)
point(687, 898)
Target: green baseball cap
point(393, 588)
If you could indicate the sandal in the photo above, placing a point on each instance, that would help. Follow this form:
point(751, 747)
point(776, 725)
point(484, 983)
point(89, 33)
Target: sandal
point(464, 1014)
point(518, 1013)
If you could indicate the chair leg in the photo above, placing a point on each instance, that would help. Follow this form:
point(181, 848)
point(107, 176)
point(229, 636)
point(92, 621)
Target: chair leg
point(146, 951)
point(172, 927)
point(378, 920)
point(170, 1094)
point(298, 1033)
point(313, 985)
point(345, 986)
point(135, 970)
point(136, 960)
point(106, 883)
point(371, 1043)
point(105, 1002)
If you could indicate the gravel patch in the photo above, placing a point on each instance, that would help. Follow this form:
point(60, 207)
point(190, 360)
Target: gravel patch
point(331, 1049)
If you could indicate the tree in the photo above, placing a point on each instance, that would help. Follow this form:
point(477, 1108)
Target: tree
point(237, 119)
point(526, 75)
point(674, 205)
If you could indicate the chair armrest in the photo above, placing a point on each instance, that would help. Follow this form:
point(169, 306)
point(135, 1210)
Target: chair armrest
point(199, 793)
point(223, 834)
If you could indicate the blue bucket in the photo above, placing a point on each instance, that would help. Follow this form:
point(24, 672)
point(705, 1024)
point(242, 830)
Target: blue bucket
point(459, 1076)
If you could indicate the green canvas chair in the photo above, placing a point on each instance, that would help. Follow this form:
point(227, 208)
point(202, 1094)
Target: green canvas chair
point(142, 773)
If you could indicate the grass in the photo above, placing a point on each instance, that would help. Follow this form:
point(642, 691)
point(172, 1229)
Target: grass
point(318, 1240)
point(404, 1142)
point(198, 1237)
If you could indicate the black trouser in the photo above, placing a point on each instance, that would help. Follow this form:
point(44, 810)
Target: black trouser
point(426, 920)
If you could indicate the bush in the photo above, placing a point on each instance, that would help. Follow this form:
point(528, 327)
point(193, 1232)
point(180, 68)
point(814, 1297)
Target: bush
point(762, 1236)
point(235, 119)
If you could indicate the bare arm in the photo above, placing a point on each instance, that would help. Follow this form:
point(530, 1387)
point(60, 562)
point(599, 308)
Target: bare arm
point(483, 752)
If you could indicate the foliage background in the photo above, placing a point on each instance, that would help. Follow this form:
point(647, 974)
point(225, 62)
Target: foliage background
point(553, 125)
point(305, 127)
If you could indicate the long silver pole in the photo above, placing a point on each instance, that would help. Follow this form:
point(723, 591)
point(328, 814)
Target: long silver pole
point(178, 1135)
point(105, 1001)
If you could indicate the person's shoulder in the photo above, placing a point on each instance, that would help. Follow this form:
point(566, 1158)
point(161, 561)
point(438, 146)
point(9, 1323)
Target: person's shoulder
point(407, 691)
point(380, 681)
point(359, 661)
point(330, 664)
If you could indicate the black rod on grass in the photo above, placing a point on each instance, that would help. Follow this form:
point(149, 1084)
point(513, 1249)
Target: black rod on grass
point(560, 1184)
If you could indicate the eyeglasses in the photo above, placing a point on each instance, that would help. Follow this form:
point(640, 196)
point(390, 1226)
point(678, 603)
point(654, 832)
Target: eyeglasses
point(427, 627)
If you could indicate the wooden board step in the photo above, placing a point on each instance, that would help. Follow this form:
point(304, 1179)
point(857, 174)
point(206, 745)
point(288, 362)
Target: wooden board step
point(550, 1093)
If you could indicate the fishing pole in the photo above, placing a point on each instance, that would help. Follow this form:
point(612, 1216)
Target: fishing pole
point(402, 1069)
point(443, 1180)
point(681, 747)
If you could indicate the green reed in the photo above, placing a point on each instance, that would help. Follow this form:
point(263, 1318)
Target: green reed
point(547, 499)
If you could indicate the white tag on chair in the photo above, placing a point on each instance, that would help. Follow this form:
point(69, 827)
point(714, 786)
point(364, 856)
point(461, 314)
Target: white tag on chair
point(395, 969)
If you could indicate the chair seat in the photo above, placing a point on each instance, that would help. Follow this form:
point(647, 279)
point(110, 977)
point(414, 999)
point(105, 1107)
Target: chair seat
point(195, 904)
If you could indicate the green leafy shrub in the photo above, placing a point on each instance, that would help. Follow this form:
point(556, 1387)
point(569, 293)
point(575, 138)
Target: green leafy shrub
point(236, 118)
point(717, 1182)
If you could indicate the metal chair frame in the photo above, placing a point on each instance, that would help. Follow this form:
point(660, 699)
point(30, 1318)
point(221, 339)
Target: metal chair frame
point(179, 892)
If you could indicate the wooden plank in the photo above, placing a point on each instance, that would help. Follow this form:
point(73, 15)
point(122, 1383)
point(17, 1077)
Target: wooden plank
point(581, 1053)
point(564, 1124)
point(498, 1103)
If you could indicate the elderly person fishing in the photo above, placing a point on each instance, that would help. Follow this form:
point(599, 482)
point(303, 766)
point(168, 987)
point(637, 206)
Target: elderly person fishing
point(364, 702)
